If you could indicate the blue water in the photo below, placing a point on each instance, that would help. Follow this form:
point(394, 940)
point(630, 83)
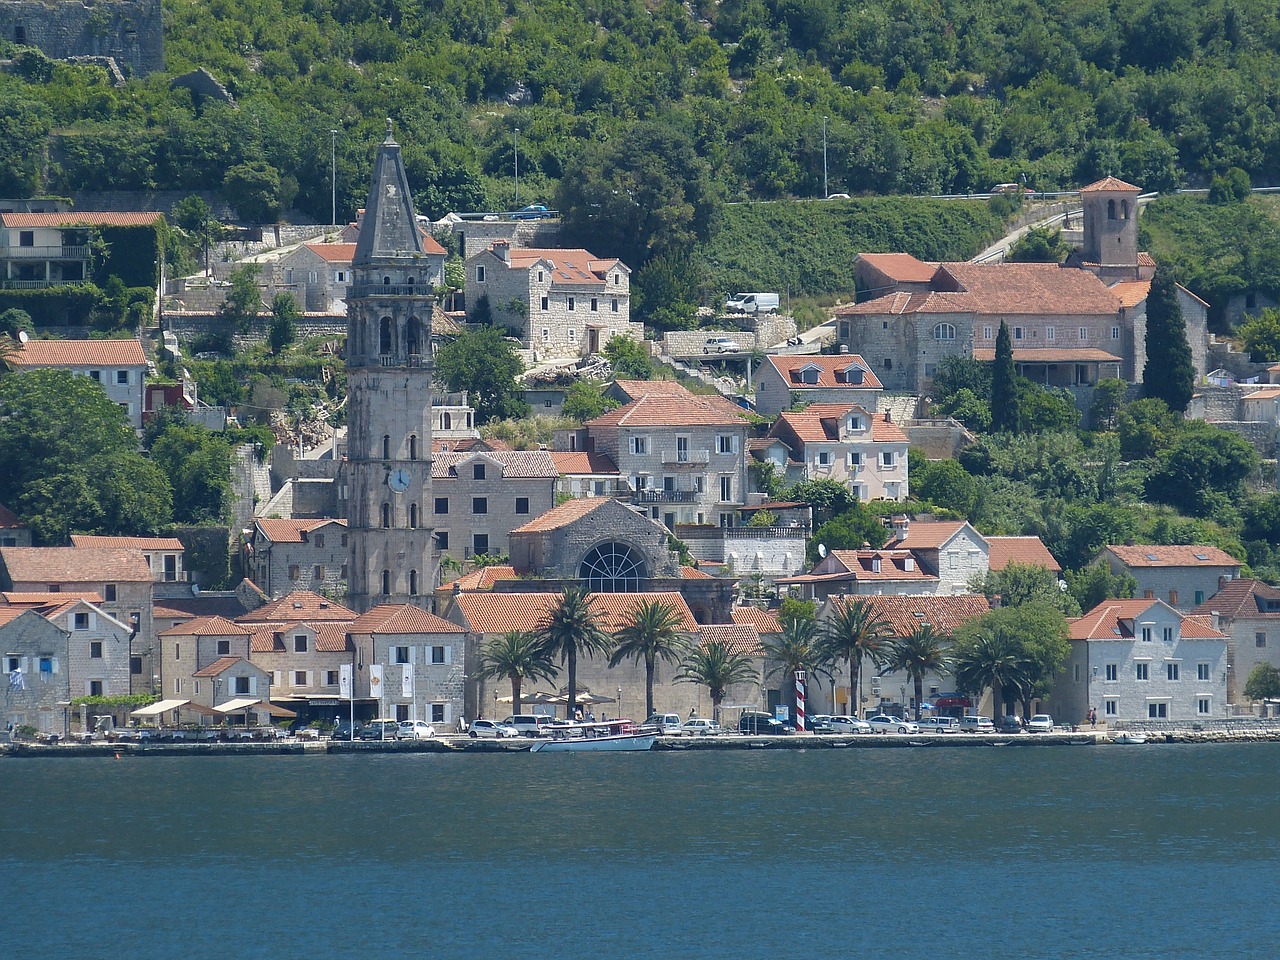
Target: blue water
point(1154, 851)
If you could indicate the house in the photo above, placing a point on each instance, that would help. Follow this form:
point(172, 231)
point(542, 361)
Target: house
point(478, 498)
point(783, 382)
point(1248, 612)
point(1142, 660)
point(99, 654)
point(951, 549)
point(40, 250)
point(864, 571)
point(317, 274)
point(583, 474)
point(452, 420)
point(163, 554)
point(192, 647)
point(13, 532)
point(1024, 551)
point(287, 555)
point(557, 302)
point(118, 365)
point(36, 682)
point(1183, 576)
point(864, 451)
point(422, 658)
point(878, 274)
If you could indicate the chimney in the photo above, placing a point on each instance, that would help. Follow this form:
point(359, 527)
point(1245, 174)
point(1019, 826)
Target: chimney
point(888, 416)
point(901, 524)
point(1213, 619)
point(844, 348)
point(1222, 581)
point(503, 250)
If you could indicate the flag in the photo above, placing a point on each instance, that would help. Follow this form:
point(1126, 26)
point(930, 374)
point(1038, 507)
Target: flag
point(344, 681)
point(375, 680)
point(406, 681)
point(15, 680)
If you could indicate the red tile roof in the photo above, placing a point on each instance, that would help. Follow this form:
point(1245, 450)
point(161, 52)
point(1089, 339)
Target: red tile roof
point(72, 218)
point(1011, 289)
point(8, 519)
point(516, 464)
point(660, 410)
point(301, 605)
point(207, 627)
point(402, 618)
point(581, 462)
point(1110, 183)
point(291, 531)
point(693, 573)
point(36, 598)
point(136, 543)
point(738, 639)
point(789, 367)
point(563, 515)
point(902, 303)
point(1130, 293)
point(902, 267)
point(764, 621)
point(944, 613)
point(482, 579)
point(1242, 598)
point(928, 534)
point(75, 565)
point(504, 612)
point(333, 252)
point(80, 353)
point(1173, 556)
point(635, 389)
point(1028, 551)
point(567, 266)
point(1115, 619)
point(221, 665)
point(1052, 355)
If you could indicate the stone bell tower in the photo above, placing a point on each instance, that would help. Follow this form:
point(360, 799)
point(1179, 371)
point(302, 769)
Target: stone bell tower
point(388, 469)
point(1111, 229)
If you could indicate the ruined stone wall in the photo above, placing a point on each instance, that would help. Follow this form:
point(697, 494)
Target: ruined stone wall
point(130, 31)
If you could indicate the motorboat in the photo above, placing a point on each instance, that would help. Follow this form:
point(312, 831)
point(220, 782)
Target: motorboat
point(1128, 736)
point(609, 736)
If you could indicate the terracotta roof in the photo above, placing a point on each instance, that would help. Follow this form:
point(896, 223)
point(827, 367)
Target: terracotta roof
point(635, 389)
point(137, 543)
point(72, 218)
point(893, 564)
point(884, 430)
point(160, 610)
point(693, 573)
point(80, 353)
point(928, 534)
point(1053, 355)
point(402, 618)
point(1266, 393)
point(944, 613)
point(901, 267)
point(661, 410)
point(333, 252)
point(504, 612)
point(1172, 556)
point(516, 464)
point(291, 531)
point(1115, 619)
point(1242, 598)
point(9, 614)
point(1200, 628)
point(764, 621)
point(1038, 289)
point(1110, 183)
point(789, 367)
point(739, 639)
point(902, 303)
point(301, 605)
point(573, 266)
point(1028, 551)
point(207, 627)
point(581, 462)
point(36, 598)
point(482, 579)
point(563, 515)
point(204, 604)
point(1130, 293)
point(331, 636)
point(221, 665)
point(8, 519)
point(75, 565)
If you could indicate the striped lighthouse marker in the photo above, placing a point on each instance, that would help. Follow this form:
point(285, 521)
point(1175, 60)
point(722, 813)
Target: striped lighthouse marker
point(800, 700)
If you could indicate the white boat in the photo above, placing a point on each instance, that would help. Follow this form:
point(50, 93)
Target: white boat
point(1129, 737)
point(621, 741)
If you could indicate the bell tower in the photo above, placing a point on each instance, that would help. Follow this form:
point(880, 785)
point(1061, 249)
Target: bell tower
point(388, 468)
point(1111, 229)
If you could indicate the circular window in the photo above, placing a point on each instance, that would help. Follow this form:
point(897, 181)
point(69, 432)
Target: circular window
point(612, 568)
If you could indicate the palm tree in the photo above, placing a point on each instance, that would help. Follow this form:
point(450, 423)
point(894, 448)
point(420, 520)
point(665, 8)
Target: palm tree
point(797, 647)
point(992, 659)
point(853, 632)
point(651, 634)
point(714, 666)
point(516, 656)
point(569, 628)
point(921, 651)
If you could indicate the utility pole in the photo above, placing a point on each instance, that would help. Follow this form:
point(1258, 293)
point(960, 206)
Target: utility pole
point(825, 194)
point(515, 140)
point(333, 173)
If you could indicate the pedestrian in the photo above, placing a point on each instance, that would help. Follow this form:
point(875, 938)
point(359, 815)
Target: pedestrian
point(1093, 716)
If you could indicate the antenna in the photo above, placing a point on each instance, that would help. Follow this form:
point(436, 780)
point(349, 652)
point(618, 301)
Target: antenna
point(822, 550)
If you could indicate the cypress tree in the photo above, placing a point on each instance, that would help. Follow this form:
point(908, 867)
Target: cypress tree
point(1006, 412)
point(1169, 374)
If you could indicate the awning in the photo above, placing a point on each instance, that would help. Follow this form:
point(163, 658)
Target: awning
point(155, 709)
point(275, 711)
point(237, 705)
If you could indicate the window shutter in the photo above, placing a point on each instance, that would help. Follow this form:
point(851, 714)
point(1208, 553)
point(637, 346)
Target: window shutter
point(253, 685)
point(413, 654)
point(448, 654)
point(448, 713)
point(55, 664)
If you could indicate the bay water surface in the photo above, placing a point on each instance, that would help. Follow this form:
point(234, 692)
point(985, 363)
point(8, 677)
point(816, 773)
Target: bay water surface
point(1159, 850)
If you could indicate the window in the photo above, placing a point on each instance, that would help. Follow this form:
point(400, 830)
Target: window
point(177, 651)
point(1202, 671)
point(400, 654)
point(824, 459)
point(726, 443)
point(1084, 333)
point(295, 572)
point(855, 459)
point(386, 516)
point(442, 540)
point(726, 489)
point(639, 445)
point(109, 593)
point(386, 583)
point(82, 621)
point(573, 334)
point(479, 543)
point(1051, 333)
point(479, 505)
point(1173, 598)
point(442, 505)
point(1017, 333)
point(1260, 639)
point(26, 238)
point(437, 713)
point(1113, 672)
point(413, 583)
point(1146, 634)
point(613, 304)
point(413, 516)
point(95, 650)
point(439, 654)
point(986, 333)
point(386, 446)
point(224, 648)
point(95, 375)
point(241, 684)
point(544, 303)
point(1199, 597)
point(344, 539)
point(135, 666)
point(612, 568)
point(1168, 635)
point(888, 362)
point(299, 678)
point(1203, 706)
point(944, 331)
point(1115, 333)
point(540, 276)
point(887, 459)
point(522, 504)
point(595, 305)
point(477, 471)
point(1171, 671)
point(1141, 671)
point(413, 446)
point(122, 377)
point(331, 678)
point(479, 274)
point(300, 643)
point(1157, 711)
point(571, 303)
point(1110, 708)
point(546, 334)
point(317, 572)
point(95, 688)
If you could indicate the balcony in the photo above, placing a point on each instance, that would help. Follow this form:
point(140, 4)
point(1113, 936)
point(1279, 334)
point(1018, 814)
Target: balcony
point(50, 252)
point(664, 496)
point(686, 457)
point(357, 291)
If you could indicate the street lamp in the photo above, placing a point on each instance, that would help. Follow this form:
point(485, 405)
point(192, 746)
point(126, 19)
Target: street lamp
point(515, 143)
point(825, 194)
point(333, 173)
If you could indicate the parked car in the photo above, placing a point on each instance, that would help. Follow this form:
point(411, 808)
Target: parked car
point(977, 725)
point(133, 734)
point(534, 211)
point(819, 723)
point(666, 724)
point(721, 345)
point(415, 730)
point(491, 728)
point(343, 730)
point(1011, 725)
point(380, 730)
point(752, 303)
point(848, 725)
point(887, 724)
point(939, 725)
point(530, 724)
point(761, 723)
point(1040, 723)
point(700, 727)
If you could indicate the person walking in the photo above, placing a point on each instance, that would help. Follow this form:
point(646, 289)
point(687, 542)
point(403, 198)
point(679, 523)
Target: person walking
point(1093, 717)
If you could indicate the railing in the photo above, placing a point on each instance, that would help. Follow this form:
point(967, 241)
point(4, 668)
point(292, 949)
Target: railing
point(53, 252)
point(39, 284)
point(709, 532)
point(664, 496)
point(390, 290)
point(686, 456)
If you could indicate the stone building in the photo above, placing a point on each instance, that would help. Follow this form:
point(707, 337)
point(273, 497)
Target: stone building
point(282, 556)
point(784, 381)
point(862, 450)
point(118, 365)
point(13, 532)
point(129, 31)
point(422, 658)
point(1182, 576)
point(99, 650)
point(1248, 612)
point(479, 498)
point(35, 682)
point(163, 554)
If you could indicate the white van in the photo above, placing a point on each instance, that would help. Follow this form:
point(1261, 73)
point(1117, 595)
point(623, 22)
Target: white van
point(752, 303)
point(977, 725)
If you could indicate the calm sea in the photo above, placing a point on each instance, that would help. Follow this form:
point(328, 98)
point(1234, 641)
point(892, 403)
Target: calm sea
point(1120, 852)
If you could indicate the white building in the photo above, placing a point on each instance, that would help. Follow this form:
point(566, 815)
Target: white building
point(118, 365)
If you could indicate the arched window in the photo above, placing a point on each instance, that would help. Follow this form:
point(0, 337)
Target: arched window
point(612, 568)
point(409, 281)
point(413, 447)
point(413, 583)
point(1124, 209)
point(1111, 209)
point(386, 516)
point(384, 336)
point(944, 331)
point(386, 281)
point(386, 446)
point(446, 421)
point(413, 516)
point(415, 336)
point(386, 583)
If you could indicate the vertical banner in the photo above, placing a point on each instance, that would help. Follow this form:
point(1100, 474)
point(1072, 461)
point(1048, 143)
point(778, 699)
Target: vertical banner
point(375, 684)
point(406, 681)
point(344, 681)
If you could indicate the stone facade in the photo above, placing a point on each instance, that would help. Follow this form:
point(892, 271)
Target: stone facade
point(422, 672)
point(129, 31)
point(860, 450)
point(99, 651)
point(283, 556)
point(36, 650)
point(479, 498)
point(766, 552)
point(554, 548)
point(783, 381)
point(1175, 575)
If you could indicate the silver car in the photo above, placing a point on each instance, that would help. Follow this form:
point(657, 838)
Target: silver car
point(887, 724)
point(491, 728)
point(847, 725)
point(415, 730)
point(698, 727)
point(721, 345)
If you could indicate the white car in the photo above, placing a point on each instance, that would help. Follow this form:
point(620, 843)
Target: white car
point(721, 345)
point(1040, 723)
point(698, 727)
point(939, 725)
point(415, 730)
point(666, 724)
point(848, 725)
point(887, 724)
point(491, 728)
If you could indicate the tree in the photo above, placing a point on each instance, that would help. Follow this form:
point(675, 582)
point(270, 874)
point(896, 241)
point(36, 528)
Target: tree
point(848, 531)
point(629, 358)
point(650, 634)
point(1260, 335)
point(989, 658)
point(1146, 427)
point(571, 628)
point(1096, 583)
point(244, 299)
point(15, 321)
point(949, 485)
point(1169, 374)
point(516, 656)
point(1039, 245)
point(827, 498)
point(1020, 583)
point(485, 365)
point(1017, 651)
point(254, 189)
point(715, 667)
point(854, 632)
point(284, 321)
point(1205, 468)
point(1263, 683)
point(197, 462)
point(921, 651)
point(798, 646)
point(1006, 416)
point(585, 400)
point(1108, 395)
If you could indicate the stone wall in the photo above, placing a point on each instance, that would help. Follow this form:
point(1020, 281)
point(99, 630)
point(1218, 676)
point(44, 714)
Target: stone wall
point(191, 325)
point(937, 439)
point(130, 31)
point(765, 551)
point(475, 235)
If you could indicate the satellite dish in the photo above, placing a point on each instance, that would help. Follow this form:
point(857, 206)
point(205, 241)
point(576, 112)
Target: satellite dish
point(23, 336)
point(195, 589)
point(822, 550)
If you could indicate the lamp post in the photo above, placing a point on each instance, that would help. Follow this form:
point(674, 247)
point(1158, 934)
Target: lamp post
point(515, 144)
point(825, 194)
point(619, 703)
point(333, 173)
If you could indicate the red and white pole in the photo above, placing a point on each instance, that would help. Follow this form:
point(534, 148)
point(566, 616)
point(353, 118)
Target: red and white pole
point(800, 701)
